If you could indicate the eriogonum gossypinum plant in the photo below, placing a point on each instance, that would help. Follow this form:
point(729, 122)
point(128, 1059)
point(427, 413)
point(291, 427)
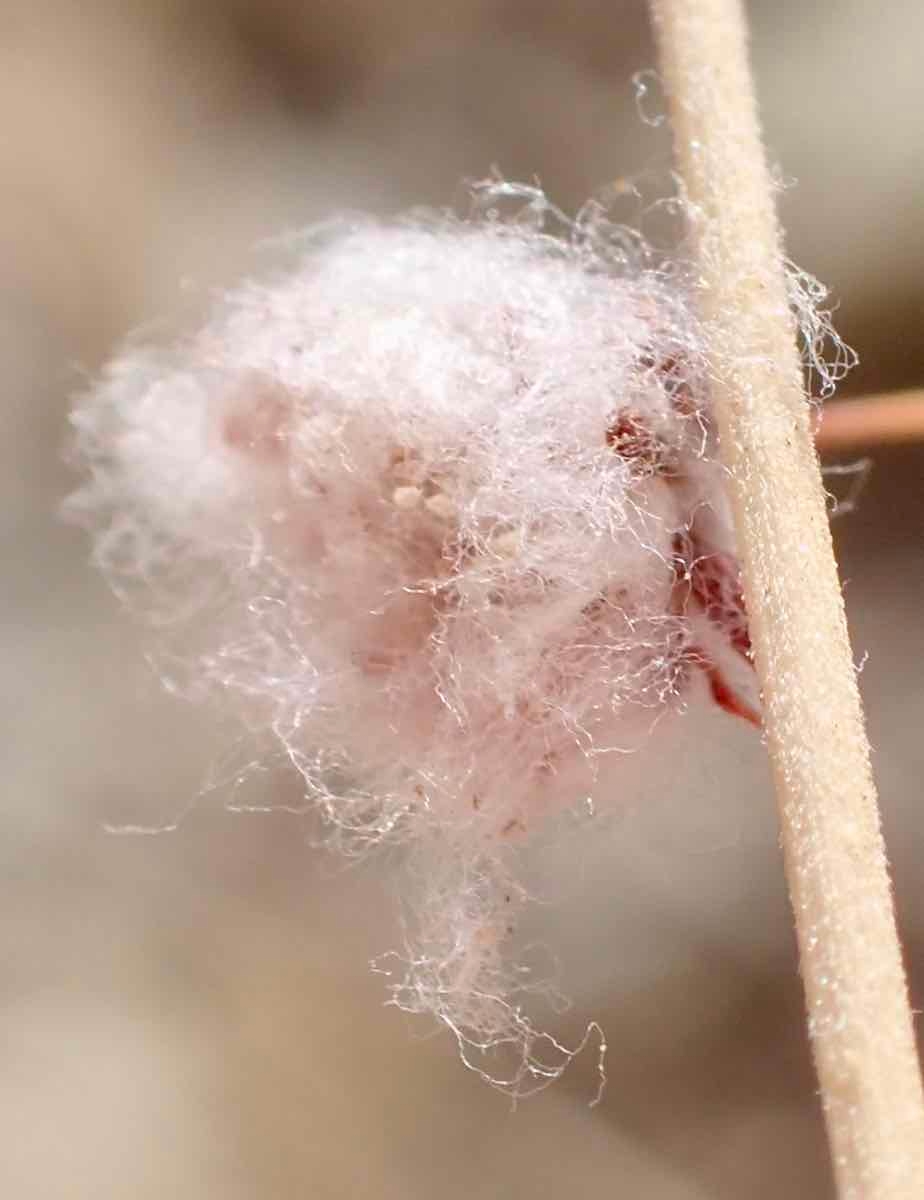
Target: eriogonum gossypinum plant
point(442, 506)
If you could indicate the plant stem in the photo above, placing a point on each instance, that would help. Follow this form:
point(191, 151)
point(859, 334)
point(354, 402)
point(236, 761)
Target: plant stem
point(859, 1018)
point(895, 418)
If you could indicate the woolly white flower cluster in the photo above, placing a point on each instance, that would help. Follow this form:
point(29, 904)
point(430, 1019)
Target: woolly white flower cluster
point(441, 504)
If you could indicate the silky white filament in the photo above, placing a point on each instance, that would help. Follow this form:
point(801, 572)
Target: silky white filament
point(441, 506)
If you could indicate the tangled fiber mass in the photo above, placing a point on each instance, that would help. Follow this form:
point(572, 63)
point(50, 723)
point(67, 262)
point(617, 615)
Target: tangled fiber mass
point(442, 505)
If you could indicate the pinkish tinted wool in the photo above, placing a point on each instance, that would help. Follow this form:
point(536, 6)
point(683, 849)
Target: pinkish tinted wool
point(446, 496)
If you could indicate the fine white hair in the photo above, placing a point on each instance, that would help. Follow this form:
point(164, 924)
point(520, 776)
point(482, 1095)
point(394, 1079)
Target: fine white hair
point(441, 505)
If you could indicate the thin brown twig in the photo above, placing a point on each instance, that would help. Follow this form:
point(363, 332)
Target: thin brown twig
point(893, 418)
point(859, 1017)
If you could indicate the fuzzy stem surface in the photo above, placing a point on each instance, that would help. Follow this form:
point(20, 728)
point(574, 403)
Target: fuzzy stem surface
point(858, 1012)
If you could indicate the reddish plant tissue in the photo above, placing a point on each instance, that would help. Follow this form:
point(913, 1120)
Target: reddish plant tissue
point(441, 506)
point(707, 578)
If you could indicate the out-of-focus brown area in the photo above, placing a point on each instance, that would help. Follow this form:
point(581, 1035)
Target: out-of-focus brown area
point(191, 1015)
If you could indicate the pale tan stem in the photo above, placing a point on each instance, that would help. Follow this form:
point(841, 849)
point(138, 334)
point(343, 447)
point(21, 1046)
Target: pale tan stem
point(894, 418)
point(859, 1018)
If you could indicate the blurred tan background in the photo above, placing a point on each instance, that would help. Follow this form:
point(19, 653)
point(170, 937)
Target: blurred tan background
point(191, 1015)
